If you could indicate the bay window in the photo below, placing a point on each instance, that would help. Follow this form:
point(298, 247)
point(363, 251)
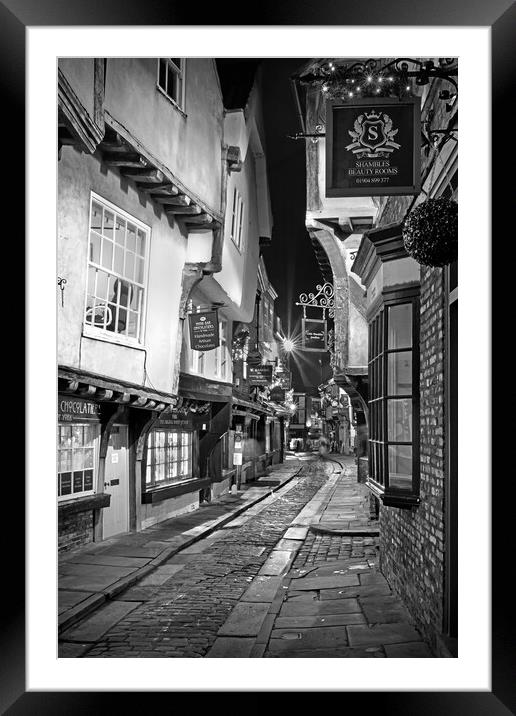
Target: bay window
point(76, 460)
point(118, 245)
point(394, 399)
point(169, 457)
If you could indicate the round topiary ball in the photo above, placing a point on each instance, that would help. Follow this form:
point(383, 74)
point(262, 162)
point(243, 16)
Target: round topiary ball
point(430, 232)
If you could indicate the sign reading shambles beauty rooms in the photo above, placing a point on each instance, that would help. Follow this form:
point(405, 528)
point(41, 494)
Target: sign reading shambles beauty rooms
point(373, 147)
point(204, 331)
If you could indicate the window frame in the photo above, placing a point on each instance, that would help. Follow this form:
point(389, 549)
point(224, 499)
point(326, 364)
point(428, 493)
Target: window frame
point(236, 231)
point(179, 71)
point(92, 331)
point(84, 493)
point(378, 441)
point(150, 464)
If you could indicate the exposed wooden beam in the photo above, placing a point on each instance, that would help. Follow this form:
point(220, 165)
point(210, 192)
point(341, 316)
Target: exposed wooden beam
point(121, 159)
point(178, 210)
point(164, 190)
point(179, 200)
point(200, 219)
point(147, 176)
point(113, 142)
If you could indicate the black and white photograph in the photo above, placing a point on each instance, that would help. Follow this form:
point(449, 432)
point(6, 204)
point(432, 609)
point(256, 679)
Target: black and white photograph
point(257, 357)
point(258, 425)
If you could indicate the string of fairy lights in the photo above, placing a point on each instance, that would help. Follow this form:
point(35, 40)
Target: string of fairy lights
point(343, 81)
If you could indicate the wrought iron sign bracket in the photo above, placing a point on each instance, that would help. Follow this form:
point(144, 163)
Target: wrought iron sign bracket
point(323, 299)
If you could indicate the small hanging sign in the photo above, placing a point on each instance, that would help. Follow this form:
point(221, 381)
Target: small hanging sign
point(204, 331)
point(315, 336)
point(260, 374)
point(373, 147)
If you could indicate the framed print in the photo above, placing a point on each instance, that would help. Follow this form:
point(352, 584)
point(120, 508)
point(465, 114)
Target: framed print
point(131, 221)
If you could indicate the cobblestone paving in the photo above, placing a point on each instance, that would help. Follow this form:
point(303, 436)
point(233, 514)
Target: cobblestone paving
point(181, 617)
point(324, 548)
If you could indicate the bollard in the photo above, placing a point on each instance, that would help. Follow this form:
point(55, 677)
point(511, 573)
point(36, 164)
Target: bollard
point(234, 489)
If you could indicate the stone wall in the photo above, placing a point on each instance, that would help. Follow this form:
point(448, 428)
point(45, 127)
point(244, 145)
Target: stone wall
point(75, 530)
point(412, 542)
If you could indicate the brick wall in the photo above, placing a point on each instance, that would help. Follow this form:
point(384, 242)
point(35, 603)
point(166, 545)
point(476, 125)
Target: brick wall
point(412, 542)
point(74, 530)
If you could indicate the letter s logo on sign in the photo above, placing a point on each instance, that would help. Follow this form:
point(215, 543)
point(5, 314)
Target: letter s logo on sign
point(373, 133)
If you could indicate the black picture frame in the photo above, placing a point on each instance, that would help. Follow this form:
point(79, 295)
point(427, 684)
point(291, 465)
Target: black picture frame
point(500, 16)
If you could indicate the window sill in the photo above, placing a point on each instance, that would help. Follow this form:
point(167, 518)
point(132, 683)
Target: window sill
point(159, 494)
point(391, 498)
point(171, 101)
point(83, 504)
point(111, 338)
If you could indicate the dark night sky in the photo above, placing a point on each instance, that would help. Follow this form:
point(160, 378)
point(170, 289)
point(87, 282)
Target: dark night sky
point(290, 260)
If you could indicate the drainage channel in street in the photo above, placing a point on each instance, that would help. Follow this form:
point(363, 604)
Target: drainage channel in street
point(177, 610)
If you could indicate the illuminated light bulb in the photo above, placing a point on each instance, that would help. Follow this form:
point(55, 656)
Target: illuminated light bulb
point(391, 79)
point(352, 82)
point(380, 79)
point(358, 89)
point(325, 88)
point(350, 94)
point(369, 79)
point(407, 88)
point(378, 91)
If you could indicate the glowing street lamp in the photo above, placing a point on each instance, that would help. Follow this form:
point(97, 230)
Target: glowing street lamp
point(288, 345)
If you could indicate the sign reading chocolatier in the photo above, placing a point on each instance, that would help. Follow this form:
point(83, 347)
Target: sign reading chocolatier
point(373, 147)
point(74, 409)
point(204, 331)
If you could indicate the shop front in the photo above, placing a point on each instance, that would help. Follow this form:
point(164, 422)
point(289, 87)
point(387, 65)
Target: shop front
point(80, 496)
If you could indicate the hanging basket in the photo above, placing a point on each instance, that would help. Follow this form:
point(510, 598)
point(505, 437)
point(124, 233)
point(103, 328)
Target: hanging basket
point(430, 232)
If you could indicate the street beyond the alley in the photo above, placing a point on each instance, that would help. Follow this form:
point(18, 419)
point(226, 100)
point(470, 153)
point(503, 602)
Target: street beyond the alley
point(293, 575)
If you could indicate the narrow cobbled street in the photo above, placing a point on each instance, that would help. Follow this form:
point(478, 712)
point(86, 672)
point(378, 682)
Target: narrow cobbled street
point(294, 575)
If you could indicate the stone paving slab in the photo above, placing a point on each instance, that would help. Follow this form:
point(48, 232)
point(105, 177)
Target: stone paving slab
point(319, 621)
point(384, 609)
point(287, 640)
point(289, 544)
point(334, 582)
point(373, 590)
point(296, 533)
point(277, 563)
point(71, 650)
point(246, 619)
point(107, 560)
point(262, 589)
point(293, 608)
point(381, 634)
point(95, 626)
point(342, 653)
point(91, 577)
point(411, 650)
point(69, 598)
point(231, 648)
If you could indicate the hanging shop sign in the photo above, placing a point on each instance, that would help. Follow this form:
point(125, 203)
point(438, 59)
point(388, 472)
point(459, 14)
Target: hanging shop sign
point(259, 374)
point(277, 394)
point(204, 330)
point(314, 335)
point(373, 147)
point(72, 409)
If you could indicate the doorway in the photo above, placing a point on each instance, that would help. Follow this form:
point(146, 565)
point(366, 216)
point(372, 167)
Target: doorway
point(116, 483)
